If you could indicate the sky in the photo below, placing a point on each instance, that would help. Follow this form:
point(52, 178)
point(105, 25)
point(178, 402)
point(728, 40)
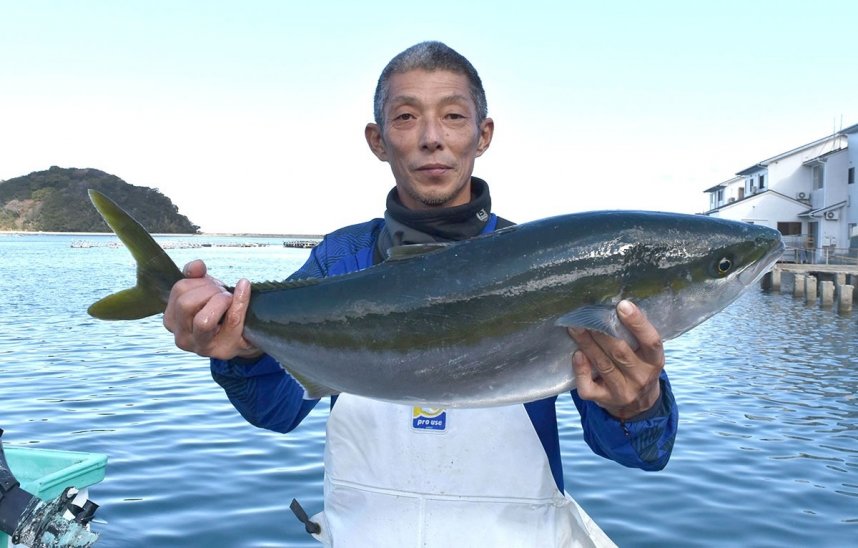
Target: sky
point(250, 115)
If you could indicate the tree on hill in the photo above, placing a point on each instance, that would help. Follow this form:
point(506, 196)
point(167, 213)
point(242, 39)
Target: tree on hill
point(56, 200)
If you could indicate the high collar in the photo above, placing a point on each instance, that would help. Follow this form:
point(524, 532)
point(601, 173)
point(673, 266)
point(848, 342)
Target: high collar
point(409, 226)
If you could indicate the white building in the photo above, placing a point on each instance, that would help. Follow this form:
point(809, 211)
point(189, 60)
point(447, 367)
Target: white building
point(808, 193)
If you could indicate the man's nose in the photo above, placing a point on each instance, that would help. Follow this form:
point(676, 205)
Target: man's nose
point(432, 135)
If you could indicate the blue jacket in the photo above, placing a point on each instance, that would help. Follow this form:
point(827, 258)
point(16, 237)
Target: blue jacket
point(269, 398)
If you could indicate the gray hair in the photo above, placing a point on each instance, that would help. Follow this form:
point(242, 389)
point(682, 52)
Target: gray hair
point(430, 56)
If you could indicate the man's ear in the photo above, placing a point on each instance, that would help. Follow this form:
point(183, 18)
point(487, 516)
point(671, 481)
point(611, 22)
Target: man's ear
point(374, 139)
point(487, 131)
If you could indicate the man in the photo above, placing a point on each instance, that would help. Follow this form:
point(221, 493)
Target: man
point(461, 477)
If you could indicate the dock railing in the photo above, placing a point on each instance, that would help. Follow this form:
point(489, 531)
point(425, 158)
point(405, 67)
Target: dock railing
point(826, 255)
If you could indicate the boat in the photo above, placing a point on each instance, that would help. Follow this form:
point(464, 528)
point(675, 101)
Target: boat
point(47, 484)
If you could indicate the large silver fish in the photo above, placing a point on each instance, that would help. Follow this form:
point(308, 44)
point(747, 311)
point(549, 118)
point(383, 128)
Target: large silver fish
point(479, 322)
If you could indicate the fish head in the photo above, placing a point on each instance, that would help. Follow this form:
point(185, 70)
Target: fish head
point(696, 267)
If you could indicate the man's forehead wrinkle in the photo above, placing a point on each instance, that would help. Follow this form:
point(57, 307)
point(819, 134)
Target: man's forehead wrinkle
point(404, 100)
point(414, 100)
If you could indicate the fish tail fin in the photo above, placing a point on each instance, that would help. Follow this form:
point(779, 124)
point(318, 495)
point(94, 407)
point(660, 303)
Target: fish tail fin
point(156, 271)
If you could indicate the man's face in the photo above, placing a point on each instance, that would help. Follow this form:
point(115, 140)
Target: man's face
point(430, 137)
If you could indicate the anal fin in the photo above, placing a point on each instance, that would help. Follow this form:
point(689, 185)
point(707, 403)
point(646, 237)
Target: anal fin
point(312, 390)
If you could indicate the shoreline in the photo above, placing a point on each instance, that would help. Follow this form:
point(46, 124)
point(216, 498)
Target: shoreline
point(170, 234)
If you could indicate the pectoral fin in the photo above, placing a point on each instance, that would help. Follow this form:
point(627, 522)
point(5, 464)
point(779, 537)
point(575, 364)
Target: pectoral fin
point(601, 318)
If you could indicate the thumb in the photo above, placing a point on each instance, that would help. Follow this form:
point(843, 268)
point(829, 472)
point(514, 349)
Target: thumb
point(238, 308)
point(235, 316)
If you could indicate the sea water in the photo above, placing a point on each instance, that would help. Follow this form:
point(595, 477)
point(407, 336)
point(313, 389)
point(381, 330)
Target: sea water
point(766, 454)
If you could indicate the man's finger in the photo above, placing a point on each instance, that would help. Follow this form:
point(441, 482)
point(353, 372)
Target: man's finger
point(650, 350)
point(593, 351)
point(206, 322)
point(583, 371)
point(195, 269)
point(617, 351)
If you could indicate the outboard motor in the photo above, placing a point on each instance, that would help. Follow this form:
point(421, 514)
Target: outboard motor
point(32, 522)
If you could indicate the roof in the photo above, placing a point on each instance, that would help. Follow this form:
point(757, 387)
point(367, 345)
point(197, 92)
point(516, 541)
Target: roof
point(819, 212)
point(753, 169)
point(822, 157)
point(850, 130)
point(723, 184)
point(765, 194)
point(835, 138)
point(796, 150)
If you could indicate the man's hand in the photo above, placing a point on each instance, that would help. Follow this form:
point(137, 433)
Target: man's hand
point(607, 371)
point(207, 319)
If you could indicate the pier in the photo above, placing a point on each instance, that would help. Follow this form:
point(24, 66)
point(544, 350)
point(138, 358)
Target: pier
point(829, 286)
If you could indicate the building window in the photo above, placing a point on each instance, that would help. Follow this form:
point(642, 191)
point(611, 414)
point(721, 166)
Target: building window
point(790, 229)
point(851, 175)
point(762, 182)
point(818, 175)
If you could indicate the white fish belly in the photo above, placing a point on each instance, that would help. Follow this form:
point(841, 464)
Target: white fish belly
point(524, 366)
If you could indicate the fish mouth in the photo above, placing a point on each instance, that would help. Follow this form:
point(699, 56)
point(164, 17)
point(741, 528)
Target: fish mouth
point(756, 270)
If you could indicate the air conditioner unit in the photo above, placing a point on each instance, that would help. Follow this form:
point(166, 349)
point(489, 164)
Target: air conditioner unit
point(801, 196)
point(831, 215)
point(753, 190)
point(731, 200)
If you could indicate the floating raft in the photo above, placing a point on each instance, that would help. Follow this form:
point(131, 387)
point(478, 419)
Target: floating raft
point(302, 244)
point(80, 244)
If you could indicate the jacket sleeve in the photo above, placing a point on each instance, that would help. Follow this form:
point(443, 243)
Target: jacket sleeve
point(644, 441)
point(262, 392)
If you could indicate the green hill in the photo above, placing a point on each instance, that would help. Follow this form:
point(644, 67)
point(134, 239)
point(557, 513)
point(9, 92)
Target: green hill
point(56, 200)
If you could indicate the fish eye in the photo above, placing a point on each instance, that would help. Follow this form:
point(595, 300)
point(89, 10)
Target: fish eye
point(724, 265)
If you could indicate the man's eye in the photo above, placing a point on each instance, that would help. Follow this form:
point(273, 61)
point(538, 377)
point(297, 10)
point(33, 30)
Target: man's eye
point(405, 116)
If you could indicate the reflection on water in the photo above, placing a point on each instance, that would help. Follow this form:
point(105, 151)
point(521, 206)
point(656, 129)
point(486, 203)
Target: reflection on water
point(767, 453)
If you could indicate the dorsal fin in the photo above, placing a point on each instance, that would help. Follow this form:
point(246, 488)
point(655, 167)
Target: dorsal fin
point(287, 284)
point(402, 252)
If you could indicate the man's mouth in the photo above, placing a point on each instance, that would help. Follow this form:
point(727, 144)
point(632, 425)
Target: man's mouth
point(434, 170)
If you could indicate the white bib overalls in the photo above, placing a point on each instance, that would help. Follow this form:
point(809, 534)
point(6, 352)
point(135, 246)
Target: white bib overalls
point(399, 477)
